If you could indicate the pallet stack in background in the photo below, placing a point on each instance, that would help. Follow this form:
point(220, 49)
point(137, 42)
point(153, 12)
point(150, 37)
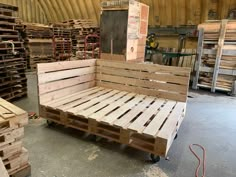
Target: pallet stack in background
point(38, 43)
point(80, 28)
point(216, 63)
point(12, 153)
point(13, 82)
point(62, 42)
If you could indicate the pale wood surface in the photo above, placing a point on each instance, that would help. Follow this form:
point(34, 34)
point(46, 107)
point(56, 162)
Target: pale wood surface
point(3, 170)
point(153, 80)
point(136, 112)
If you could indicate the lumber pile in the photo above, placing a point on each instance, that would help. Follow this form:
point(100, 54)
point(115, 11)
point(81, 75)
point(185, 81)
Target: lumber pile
point(80, 28)
point(12, 153)
point(216, 63)
point(13, 82)
point(62, 42)
point(38, 43)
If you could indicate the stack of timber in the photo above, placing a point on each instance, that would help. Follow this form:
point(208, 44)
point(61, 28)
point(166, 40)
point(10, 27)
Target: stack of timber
point(62, 42)
point(12, 153)
point(216, 62)
point(80, 28)
point(13, 82)
point(38, 43)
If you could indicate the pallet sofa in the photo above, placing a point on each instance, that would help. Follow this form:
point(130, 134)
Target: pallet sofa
point(140, 105)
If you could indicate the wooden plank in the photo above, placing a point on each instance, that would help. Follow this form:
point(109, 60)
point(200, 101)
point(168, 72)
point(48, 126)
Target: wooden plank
point(14, 109)
point(57, 85)
point(145, 91)
point(103, 104)
point(92, 102)
point(73, 97)
point(158, 120)
point(139, 124)
point(109, 119)
point(63, 92)
point(124, 121)
point(6, 114)
point(65, 65)
point(144, 67)
point(172, 120)
point(3, 170)
point(152, 84)
point(165, 77)
point(73, 103)
point(199, 57)
point(100, 114)
point(58, 75)
point(219, 53)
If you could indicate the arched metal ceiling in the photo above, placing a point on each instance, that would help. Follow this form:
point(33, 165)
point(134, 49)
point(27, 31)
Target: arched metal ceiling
point(162, 12)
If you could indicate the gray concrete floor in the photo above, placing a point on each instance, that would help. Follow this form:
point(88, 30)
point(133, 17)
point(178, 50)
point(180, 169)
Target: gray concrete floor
point(59, 152)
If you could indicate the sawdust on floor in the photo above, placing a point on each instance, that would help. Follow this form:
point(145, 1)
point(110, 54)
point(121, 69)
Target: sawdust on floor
point(93, 153)
point(154, 171)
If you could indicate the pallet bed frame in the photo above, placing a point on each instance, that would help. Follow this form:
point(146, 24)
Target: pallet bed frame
point(140, 105)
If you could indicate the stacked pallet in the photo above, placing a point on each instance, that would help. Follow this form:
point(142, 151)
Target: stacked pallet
point(13, 155)
point(13, 82)
point(38, 43)
point(216, 63)
point(80, 29)
point(62, 42)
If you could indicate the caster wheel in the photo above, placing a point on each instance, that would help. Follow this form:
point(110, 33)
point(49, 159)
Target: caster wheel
point(50, 123)
point(155, 158)
point(93, 137)
point(176, 136)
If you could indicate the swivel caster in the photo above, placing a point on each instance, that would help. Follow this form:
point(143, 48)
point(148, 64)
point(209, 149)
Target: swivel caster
point(155, 158)
point(93, 137)
point(50, 123)
point(176, 136)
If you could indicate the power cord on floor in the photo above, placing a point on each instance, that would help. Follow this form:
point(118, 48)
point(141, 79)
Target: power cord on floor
point(199, 159)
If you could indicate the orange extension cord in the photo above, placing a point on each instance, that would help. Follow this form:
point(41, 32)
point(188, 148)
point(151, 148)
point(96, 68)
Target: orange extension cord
point(199, 159)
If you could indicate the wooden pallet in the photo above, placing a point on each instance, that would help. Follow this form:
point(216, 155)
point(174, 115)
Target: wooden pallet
point(17, 162)
point(135, 104)
point(11, 116)
point(216, 63)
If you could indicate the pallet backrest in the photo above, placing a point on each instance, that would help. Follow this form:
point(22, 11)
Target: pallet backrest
point(59, 79)
point(155, 80)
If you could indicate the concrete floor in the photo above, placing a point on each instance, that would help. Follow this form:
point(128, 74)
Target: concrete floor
point(58, 152)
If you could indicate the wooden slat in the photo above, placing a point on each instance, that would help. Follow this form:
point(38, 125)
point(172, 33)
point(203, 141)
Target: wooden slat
point(72, 104)
point(6, 114)
point(51, 86)
point(49, 77)
point(143, 83)
point(92, 102)
point(73, 97)
point(219, 53)
point(124, 121)
point(165, 77)
point(144, 67)
point(172, 120)
point(65, 65)
point(109, 119)
point(14, 109)
point(100, 114)
point(66, 91)
point(103, 104)
point(3, 170)
point(145, 91)
point(139, 124)
point(158, 120)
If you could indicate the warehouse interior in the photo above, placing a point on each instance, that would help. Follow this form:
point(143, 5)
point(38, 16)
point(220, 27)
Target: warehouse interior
point(117, 88)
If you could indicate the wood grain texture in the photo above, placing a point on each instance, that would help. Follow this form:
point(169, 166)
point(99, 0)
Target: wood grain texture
point(162, 12)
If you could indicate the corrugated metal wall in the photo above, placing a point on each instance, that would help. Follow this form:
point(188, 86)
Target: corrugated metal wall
point(162, 12)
